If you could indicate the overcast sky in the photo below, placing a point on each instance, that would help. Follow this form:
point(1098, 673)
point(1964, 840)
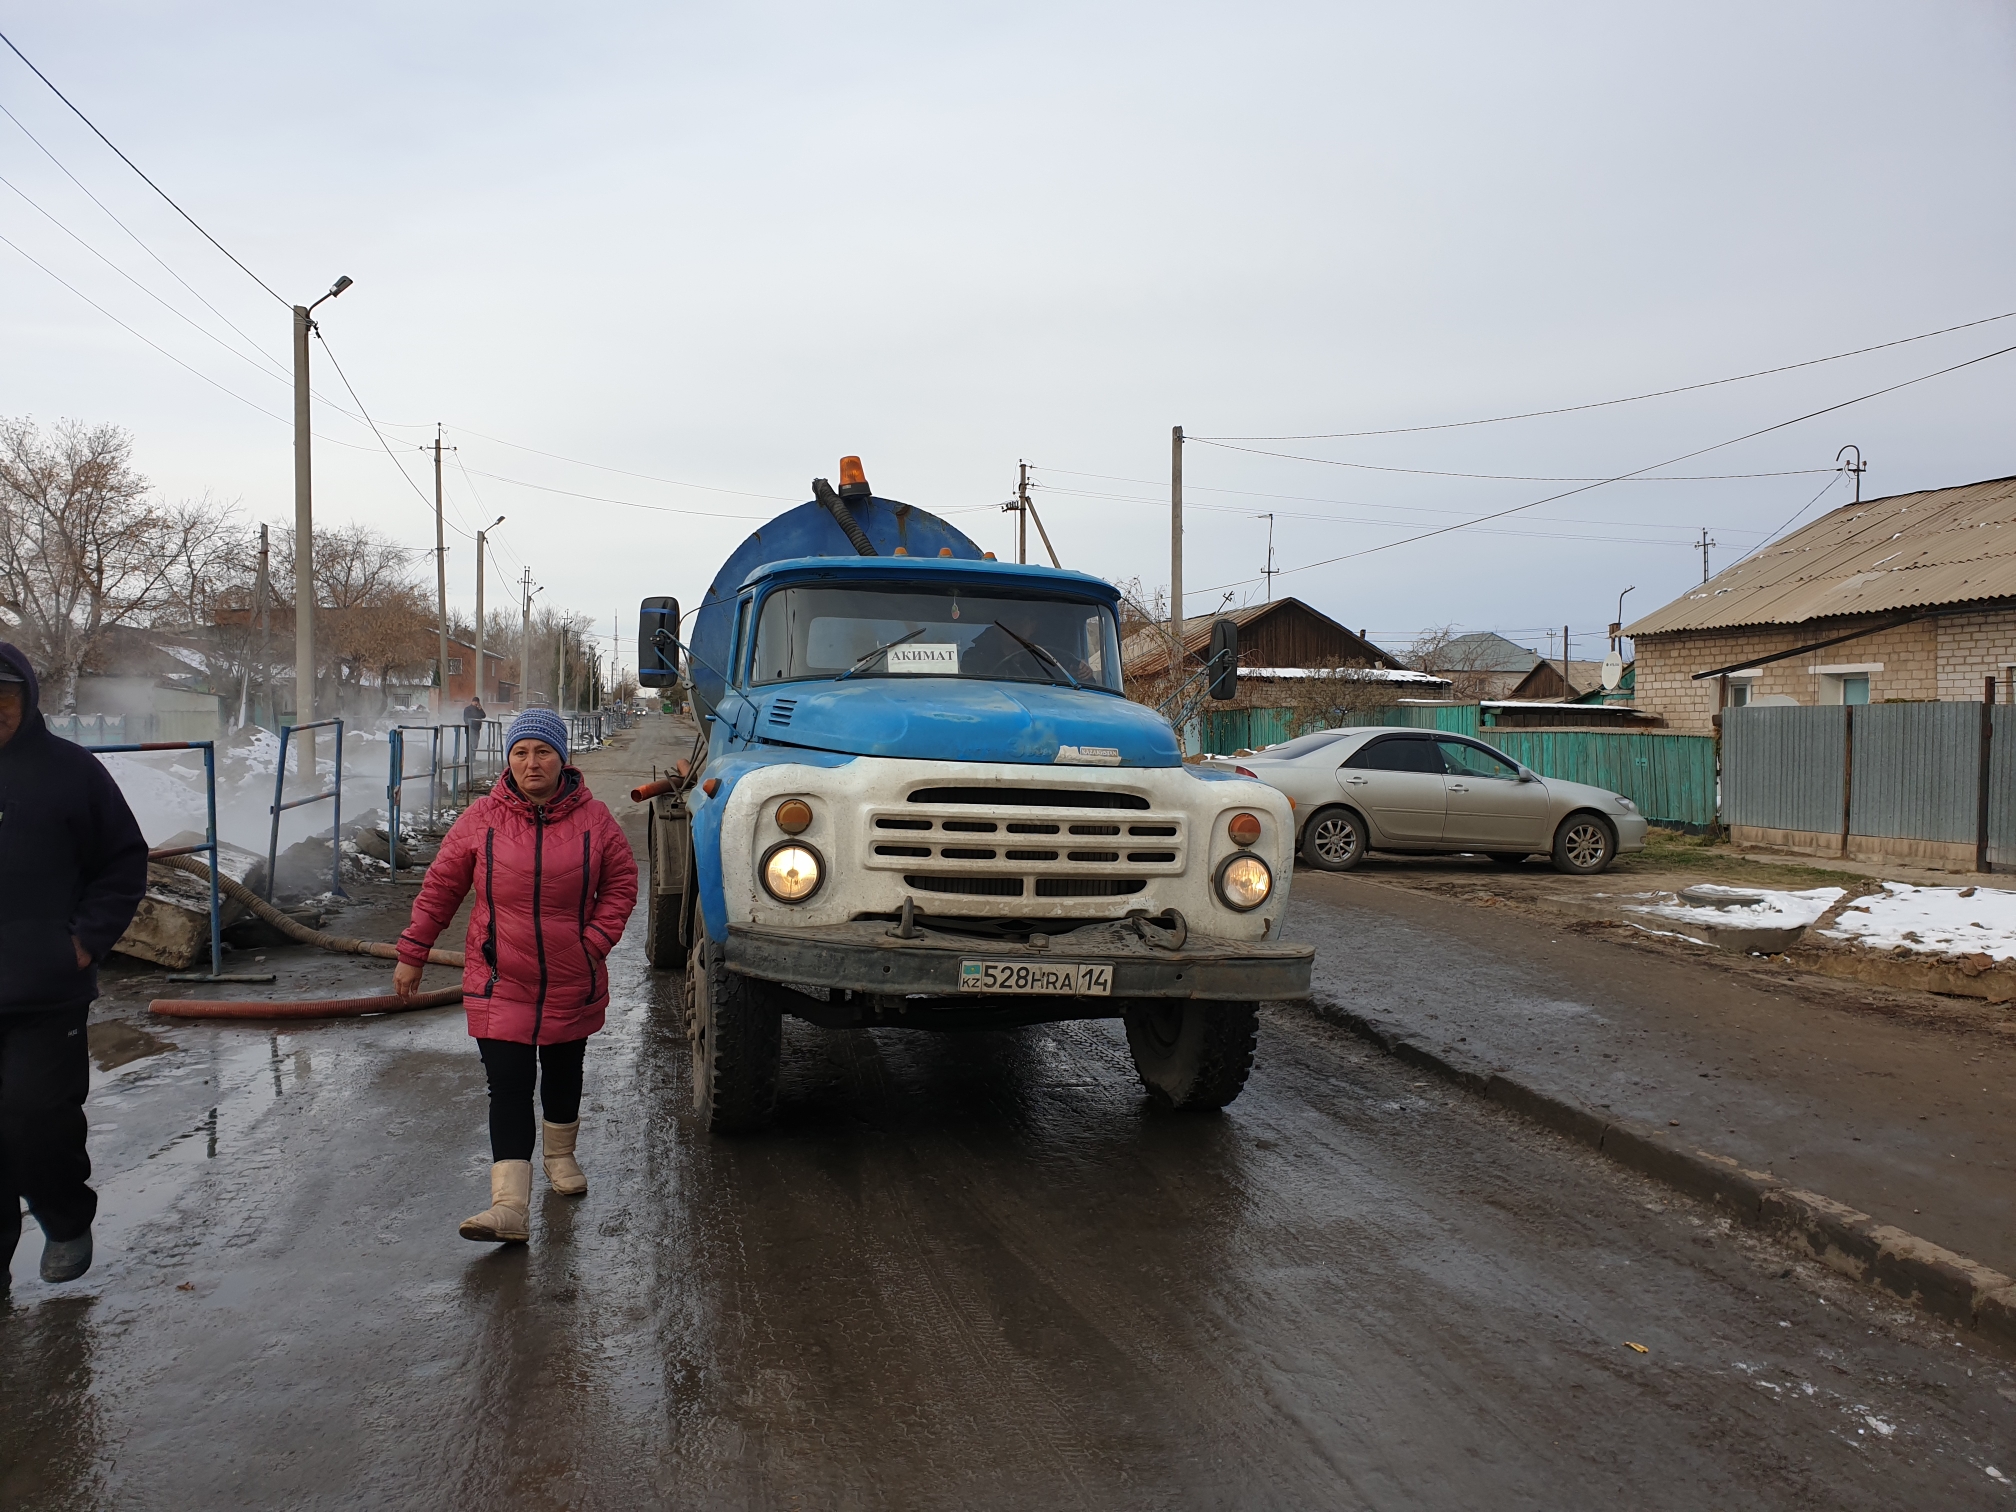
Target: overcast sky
point(725, 245)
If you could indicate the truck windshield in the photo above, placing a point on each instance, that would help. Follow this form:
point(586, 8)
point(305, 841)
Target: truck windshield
point(937, 632)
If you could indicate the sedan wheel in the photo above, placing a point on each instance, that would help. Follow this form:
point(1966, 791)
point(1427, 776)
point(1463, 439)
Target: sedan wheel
point(1584, 845)
point(1334, 840)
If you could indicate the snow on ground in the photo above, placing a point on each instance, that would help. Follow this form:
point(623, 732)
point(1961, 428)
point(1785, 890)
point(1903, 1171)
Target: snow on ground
point(1773, 910)
point(1955, 921)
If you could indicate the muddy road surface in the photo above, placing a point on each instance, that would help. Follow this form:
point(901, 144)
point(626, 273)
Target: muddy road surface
point(961, 1271)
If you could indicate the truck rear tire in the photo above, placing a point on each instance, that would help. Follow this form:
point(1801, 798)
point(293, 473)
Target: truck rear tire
point(1192, 1054)
point(736, 1033)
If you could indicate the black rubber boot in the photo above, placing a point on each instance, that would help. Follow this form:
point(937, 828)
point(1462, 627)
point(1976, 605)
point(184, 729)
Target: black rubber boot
point(66, 1259)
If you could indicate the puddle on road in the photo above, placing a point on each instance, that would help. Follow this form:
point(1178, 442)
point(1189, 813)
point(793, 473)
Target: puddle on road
point(115, 1043)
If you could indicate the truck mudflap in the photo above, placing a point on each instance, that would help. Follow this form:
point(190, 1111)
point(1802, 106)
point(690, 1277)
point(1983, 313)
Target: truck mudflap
point(868, 956)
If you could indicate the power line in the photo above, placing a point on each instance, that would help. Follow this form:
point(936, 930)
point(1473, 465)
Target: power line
point(1782, 528)
point(136, 168)
point(1569, 409)
point(178, 314)
point(604, 467)
point(1670, 462)
point(625, 503)
point(404, 475)
point(249, 341)
point(1243, 512)
point(1428, 472)
point(250, 403)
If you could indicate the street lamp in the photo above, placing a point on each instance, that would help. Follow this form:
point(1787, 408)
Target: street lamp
point(304, 538)
point(478, 684)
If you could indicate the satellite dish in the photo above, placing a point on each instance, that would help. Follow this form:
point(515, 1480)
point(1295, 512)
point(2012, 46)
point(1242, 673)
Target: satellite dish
point(1613, 671)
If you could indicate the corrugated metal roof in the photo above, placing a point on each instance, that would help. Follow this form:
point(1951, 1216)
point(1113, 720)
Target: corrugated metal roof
point(1909, 551)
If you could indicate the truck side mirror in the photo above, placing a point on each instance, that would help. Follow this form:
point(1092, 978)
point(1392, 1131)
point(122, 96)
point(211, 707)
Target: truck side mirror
point(657, 643)
point(1224, 664)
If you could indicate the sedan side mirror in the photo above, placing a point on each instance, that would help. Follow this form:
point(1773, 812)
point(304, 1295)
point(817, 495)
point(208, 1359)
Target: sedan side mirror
point(1526, 774)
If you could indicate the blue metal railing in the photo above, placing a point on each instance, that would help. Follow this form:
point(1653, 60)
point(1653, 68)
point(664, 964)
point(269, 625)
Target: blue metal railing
point(207, 848)
point(287, 732)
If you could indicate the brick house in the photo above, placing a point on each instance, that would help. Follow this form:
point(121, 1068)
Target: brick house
point(1910, 598)
point(500, 676)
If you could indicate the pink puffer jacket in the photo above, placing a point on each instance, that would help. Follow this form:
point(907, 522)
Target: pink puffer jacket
point(553, 892)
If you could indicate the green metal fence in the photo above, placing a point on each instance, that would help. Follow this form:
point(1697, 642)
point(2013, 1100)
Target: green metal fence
point(1672, 778)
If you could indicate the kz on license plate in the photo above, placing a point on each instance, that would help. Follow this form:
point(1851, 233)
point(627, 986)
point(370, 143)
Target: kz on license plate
point(1084, 979)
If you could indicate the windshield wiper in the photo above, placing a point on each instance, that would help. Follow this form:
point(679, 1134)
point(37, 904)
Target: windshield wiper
point(890, 647)
point(1038, 652)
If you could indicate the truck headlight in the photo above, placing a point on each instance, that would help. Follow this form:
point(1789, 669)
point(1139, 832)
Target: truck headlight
point(791, 871)
point(1244, 882)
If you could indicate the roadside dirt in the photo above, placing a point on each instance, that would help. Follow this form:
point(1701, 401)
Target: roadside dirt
point(1817, 971)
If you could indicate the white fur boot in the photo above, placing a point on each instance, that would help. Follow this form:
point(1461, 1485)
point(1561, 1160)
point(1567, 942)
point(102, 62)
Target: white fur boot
point(563, 1172)
point(508, 1219)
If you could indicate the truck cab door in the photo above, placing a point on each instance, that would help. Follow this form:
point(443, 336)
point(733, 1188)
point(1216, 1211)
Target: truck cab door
point(1396, 782)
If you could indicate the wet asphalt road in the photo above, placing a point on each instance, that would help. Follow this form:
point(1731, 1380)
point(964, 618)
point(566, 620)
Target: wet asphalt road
point(962, 1271)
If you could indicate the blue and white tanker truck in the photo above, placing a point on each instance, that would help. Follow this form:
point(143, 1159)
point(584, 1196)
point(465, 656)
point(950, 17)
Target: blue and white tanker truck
point(921, 799)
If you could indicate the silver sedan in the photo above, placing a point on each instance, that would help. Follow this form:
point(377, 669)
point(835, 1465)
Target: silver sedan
point(1389, 789)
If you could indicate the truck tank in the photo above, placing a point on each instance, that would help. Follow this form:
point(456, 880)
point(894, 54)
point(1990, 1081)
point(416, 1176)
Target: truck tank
point(811, 530)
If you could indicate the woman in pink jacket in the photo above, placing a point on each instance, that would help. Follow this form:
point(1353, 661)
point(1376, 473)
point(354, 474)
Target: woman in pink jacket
point(555, 883)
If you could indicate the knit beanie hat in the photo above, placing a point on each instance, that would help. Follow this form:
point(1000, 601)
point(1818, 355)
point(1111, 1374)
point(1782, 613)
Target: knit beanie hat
point(538, 724)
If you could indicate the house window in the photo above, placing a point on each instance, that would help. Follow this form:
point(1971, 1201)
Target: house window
point(1847, 684)
point(454, 666)
point(1739, 694)
point(507, 692)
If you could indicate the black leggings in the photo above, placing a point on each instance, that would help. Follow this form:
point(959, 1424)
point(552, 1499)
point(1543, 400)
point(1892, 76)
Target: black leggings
point(509, 1065)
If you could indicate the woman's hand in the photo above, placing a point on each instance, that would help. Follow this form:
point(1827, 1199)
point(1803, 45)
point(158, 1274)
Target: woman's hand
point(405, 980)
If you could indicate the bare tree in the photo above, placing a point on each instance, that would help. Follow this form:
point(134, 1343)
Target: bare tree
point(1441, 651)
point(81, 549)
point(374, 617)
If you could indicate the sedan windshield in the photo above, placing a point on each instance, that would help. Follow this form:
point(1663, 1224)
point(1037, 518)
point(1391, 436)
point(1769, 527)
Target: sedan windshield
point(904, 630)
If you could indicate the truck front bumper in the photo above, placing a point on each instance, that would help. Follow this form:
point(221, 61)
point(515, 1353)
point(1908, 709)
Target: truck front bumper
point(866, 956)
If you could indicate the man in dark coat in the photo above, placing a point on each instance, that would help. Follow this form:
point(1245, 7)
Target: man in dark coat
point(73, 868)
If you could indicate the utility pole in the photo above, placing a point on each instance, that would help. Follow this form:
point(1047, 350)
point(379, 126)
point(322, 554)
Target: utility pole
point(1176, 536)
point(1022, 514)
point(1854, 469)
point(1567, 688)
point(304, 540)
point(560, 668)
point(441, 582)
point(265, 591)
point(304, 558)
point(525, 644)
point(1269, 570)
point(1705, 543)
point(480, 564)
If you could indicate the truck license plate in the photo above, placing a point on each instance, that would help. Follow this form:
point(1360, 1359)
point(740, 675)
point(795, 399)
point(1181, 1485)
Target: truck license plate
point(1080, 978)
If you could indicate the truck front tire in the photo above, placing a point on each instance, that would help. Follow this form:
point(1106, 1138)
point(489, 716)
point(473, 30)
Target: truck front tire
point(736, 1033)
point(1192, 1054)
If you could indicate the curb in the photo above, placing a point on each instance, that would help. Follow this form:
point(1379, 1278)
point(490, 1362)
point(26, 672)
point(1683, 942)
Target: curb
point(1947, 1285)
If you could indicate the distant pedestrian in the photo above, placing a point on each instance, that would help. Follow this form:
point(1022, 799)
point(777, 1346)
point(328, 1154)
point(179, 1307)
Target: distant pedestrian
point(555, 883)
point(473, 715)
point(73, 868)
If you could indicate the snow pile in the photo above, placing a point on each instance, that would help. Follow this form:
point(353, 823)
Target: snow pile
point(1741, 907)
point(1956, 921)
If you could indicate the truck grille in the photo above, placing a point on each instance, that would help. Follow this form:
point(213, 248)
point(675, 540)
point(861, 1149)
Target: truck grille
point(1010, 842)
